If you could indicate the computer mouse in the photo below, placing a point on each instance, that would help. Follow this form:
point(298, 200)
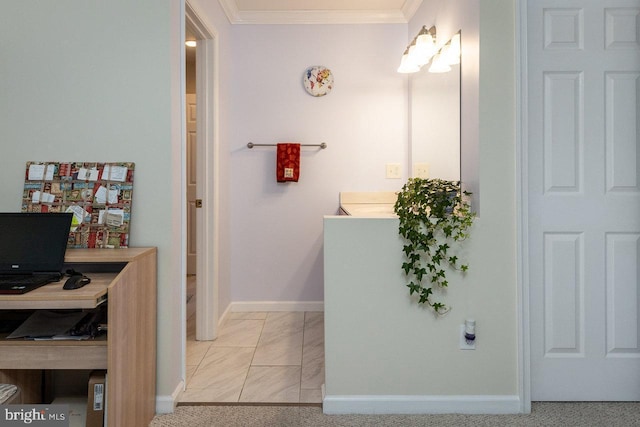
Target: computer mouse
point(76, 281)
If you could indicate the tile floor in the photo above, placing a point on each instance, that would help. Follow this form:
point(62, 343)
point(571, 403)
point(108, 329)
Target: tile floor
point(265, 357)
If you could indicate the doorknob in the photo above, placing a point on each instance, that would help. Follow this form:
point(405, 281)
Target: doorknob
point(198, 203)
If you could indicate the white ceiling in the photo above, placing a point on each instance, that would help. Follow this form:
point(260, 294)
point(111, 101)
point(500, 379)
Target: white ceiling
point(319, 11)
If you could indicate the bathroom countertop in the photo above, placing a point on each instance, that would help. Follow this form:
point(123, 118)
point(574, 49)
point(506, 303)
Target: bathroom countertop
point(377, 204)
point(377, 210)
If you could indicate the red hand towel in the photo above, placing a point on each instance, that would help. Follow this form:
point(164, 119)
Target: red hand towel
point(288, 162)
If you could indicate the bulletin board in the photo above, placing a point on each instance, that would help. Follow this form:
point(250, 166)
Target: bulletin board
point(98, 194)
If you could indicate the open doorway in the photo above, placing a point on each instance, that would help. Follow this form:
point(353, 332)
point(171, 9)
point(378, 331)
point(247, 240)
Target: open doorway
point(193, 202)
point(191, 177)
point(202, 183)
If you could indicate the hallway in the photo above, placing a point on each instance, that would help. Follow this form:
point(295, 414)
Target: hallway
point(258, 357)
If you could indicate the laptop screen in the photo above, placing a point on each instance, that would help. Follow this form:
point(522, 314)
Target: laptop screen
point(33, 242)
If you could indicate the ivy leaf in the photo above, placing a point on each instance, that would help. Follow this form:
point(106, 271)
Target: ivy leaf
point(406, 267)
point(413, 288)
point(424, 294)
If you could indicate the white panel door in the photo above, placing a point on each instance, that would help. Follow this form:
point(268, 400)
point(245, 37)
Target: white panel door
point(584, 198)
point(192, 153)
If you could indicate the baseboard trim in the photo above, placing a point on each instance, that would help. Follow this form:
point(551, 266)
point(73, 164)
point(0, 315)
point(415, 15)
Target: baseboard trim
point(395, 404)
point(244, 306)
point(224, 316)
point(167, 404)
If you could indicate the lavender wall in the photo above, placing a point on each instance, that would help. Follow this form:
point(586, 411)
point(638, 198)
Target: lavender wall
point(276, 229)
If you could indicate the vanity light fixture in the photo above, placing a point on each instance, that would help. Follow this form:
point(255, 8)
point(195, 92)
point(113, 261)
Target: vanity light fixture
point(422, 50)
point(419, 51)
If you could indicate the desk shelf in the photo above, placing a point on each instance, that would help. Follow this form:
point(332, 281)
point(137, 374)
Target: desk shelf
point(127, 280)
point(57, 354)
point(53, 297)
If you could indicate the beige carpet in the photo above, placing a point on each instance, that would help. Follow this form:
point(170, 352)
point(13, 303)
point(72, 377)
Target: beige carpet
point(579, 414)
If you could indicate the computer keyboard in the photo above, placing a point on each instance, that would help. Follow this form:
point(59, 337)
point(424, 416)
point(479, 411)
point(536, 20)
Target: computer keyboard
point(27, 279)
point(19, 284)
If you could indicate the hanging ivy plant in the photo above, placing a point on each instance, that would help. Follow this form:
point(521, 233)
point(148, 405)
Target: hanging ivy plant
point(434, 213)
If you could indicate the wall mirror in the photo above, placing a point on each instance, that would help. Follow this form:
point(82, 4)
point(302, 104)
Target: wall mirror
point(435, 123)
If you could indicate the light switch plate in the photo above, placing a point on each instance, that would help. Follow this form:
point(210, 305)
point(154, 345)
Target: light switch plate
point(394, 171)
point(421, 170)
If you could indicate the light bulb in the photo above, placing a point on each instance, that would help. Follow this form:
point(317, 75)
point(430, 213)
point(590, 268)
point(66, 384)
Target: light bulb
point(407, 65)
point(439, 65)
point(453, 53)
point(424, 49)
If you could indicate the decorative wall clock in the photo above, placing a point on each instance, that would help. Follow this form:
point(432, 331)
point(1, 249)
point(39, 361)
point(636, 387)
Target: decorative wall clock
point(318, 80)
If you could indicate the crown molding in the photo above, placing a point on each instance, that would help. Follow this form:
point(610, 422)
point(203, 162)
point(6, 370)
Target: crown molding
point(237, 16)
point(410, 8)
point(230, 9)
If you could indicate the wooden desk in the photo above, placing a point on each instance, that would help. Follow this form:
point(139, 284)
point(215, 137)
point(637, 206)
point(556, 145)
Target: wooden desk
point(129, 350)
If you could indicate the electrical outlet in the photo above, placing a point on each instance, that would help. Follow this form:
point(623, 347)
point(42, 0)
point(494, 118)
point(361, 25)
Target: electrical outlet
point(463, 342)
point(394, 171)
point(421, 170)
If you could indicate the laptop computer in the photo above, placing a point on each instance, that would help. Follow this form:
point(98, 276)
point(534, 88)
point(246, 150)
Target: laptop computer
point(32, 249)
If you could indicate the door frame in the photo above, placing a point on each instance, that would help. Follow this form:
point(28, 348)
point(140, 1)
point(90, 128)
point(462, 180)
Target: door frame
point(522, 208)
point(208, 183)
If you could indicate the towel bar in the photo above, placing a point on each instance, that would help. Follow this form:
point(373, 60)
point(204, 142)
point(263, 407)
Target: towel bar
point(322, 145)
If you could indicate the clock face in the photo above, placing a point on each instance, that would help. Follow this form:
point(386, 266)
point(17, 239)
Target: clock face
point(318, 80)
